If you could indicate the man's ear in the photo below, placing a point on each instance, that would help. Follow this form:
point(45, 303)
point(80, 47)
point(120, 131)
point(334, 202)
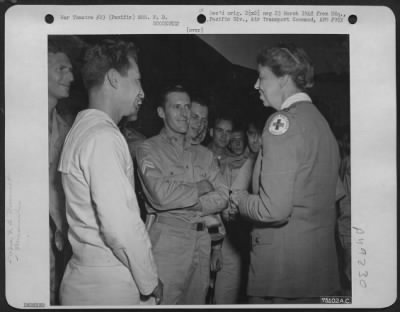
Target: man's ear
point(161, 113)
point(112, 76)
point(211, 132)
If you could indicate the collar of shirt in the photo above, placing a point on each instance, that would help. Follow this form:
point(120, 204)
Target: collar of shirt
point(100, 115)
point(173, 139)
point(298, 97)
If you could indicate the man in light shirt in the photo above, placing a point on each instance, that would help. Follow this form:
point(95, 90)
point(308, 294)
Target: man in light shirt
point(112, 262)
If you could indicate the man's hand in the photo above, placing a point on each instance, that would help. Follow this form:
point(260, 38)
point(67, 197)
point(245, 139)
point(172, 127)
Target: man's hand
point(204, 187)
point(59, 240)
point(158, 292)
point(216, 260)
point(234, 197)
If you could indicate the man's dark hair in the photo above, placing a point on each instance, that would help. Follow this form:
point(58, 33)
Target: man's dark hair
point(201, 100)
point(102, 57)
point(221, 117)
point(169, 89)
point(57, 44)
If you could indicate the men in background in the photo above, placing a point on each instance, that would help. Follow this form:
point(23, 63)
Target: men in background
point(60, 77)
point(198, 123)
point(198, 126)
point(112, 263)
point(234, 246)
point(182, 184)
point(221, 134)
point(253, 137)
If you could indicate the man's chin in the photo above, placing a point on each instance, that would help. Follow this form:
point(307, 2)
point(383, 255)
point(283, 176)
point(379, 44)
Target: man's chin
point(132, 117)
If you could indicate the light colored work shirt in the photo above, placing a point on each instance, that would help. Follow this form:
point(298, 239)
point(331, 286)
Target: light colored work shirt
point(169, 172)
point(105, 228)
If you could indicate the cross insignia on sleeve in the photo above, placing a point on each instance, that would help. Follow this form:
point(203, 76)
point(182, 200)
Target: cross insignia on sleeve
point(279, 124)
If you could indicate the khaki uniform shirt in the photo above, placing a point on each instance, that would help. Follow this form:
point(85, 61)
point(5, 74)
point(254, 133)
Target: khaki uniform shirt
point(105, 228)
point(169, 173)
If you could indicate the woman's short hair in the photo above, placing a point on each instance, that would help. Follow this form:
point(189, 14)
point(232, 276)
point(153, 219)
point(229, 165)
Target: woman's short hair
point(289, 60)
point(102, 57)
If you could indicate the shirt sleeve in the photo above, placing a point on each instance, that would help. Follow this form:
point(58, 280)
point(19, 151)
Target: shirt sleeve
point(117, 209)
point(161, 191)
point(274, 201)
point(217, 200)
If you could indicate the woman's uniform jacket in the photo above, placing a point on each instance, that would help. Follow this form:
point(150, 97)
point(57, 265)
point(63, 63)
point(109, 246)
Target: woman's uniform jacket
point(295, 183)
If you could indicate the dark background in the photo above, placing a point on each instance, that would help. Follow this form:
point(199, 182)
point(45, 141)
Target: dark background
point(222, 68)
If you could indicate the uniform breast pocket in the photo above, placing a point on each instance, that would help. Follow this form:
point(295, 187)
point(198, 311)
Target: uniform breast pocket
point(175, 173)
point(199, 173)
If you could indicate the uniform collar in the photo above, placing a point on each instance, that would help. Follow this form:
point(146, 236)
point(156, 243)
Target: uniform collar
point(98, 114)
point(173, 139)
point(298, 97)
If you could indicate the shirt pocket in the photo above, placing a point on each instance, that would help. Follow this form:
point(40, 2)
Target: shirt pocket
point(175, 173)
point(199, 173)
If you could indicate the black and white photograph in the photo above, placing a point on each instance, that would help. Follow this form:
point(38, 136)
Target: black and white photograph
point(213, 169)
point(285, 238)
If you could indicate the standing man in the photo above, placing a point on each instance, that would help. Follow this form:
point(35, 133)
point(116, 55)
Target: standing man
point(182, 184)
point(112, 263)
point(59, 80)
point(235, 243)
point(221, 134)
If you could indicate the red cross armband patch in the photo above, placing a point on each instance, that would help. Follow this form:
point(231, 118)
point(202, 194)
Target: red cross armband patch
point(279, 124)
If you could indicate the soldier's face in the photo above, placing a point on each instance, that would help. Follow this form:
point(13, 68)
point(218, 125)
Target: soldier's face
point(222, 133)
point(253, 139)
point(59, 75)
point(237, 143)
point(131, 92)
point(198, 121)
point(176, 112)
point(269, 87)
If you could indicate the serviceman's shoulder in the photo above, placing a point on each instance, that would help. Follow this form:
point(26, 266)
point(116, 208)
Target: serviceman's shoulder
point(203, 152)
point(148, 148)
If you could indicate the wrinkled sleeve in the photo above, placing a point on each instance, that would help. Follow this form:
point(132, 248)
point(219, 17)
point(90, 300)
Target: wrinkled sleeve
point(161, 191)
point(117, 209)
point(217, 200)
point(274, 201)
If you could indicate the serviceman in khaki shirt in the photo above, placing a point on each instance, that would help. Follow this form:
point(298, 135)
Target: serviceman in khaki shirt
point(182, 184)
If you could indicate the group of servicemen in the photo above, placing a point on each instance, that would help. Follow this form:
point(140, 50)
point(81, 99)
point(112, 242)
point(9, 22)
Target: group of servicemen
point(191, 226)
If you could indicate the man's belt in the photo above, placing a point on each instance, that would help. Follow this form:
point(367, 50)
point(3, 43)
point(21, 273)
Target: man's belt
point(180, 223)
